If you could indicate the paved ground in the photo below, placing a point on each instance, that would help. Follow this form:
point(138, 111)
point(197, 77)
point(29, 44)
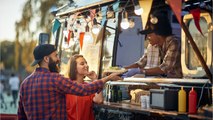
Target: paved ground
point(8, 109)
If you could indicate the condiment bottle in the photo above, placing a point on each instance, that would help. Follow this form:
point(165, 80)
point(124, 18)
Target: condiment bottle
point(112, 95)
point(192, 101)
point(182, 100)
point(119, 95)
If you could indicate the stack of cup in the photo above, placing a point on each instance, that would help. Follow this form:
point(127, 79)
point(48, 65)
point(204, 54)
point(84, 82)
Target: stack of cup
point(145, 104)
point(147, 101)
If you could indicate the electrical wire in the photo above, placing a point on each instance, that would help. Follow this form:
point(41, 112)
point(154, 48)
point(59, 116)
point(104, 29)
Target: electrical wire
point(201, 94)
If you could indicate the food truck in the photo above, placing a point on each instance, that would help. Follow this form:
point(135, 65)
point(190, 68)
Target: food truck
point(106, 33)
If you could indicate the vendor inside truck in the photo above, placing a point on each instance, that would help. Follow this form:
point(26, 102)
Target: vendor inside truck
point(167, 56)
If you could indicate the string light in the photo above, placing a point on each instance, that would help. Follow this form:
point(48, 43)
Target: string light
point(124, 23)
point(95, 28)
point(153, 20)
point(110, 12)
point(87, 35)
point(131, 23)
point(65, 29)
point(138, 10)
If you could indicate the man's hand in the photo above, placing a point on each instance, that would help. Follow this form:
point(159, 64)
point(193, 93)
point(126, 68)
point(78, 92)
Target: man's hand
point(114, 76)
point(131, 72)
point(92, 75)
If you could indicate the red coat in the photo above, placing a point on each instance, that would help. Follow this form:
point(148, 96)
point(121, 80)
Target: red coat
point(79, 107)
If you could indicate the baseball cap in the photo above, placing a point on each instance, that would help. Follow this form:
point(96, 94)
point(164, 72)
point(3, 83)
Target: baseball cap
point(42, 50)
point(158, 23)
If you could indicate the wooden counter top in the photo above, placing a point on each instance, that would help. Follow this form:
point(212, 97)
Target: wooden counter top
point(166, 80)
point(137, 109)
point(171, 82)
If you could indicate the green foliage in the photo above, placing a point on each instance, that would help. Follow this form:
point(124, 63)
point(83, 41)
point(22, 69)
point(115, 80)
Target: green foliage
point(38, 9)
point(15, 56)
point(27, 55)
point(7, 53)
point(21, 53)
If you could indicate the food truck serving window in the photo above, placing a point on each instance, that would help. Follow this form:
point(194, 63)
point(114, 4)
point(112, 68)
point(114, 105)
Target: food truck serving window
point(190, 63)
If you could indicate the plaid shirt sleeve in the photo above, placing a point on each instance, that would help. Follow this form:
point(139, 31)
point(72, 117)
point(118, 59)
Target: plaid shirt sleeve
point(21, 113)
point(143, 60)
point(67, 86)
point(42, 95)
point(171, 55)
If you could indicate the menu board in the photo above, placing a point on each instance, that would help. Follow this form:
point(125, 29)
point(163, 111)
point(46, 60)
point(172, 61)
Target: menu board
point(91, 52)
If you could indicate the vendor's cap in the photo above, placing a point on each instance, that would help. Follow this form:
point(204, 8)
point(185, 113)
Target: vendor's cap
point(158, 23)
point(42, 50)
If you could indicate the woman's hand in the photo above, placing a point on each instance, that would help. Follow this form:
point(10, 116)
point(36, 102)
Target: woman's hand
point(92, 75)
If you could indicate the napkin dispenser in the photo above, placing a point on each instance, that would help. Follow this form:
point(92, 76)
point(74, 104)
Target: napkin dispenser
point(166, 99)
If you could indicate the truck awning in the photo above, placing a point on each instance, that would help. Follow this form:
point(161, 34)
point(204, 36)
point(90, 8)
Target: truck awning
point(81, 7)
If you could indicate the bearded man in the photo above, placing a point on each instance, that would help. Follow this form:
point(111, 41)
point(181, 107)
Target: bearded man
point(42, 94)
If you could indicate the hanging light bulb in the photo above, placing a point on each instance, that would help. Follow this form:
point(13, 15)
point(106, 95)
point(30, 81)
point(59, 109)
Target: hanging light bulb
point(65, 32)
point(131, 23)
point(124, 23)
point(98, 14)
point(110, 12)
point(95, 28)
point(87, 35)
point(78, 23)
point(138, 10)
point(153, 20)
point(166, 2)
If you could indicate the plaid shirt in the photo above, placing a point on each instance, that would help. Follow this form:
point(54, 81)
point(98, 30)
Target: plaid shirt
point(42, 95)
point(169, 57)
point(150, 58)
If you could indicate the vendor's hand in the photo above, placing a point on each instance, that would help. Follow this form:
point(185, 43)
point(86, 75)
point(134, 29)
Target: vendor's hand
point(126, 67)
point(92, 75)
point(131, 72)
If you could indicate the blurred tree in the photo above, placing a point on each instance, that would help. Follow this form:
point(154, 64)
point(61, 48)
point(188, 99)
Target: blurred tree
point(36, 14)
point(17, 52)
point(7, 54)
point(27, 51)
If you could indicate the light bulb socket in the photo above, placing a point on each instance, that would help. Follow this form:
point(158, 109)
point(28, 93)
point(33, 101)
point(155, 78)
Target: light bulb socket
point(72, 34)
point(137, 7)
point(110, 12)
point(95, 21)
point(78, 22)
point(87, 28)
point(124, 15)
point(65, 24)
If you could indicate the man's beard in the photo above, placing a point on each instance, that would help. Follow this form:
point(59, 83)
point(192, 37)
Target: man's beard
point(53, 66)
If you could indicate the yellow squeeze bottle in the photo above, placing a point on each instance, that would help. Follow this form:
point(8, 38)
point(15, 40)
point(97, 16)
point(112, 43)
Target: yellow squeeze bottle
point(182, 100)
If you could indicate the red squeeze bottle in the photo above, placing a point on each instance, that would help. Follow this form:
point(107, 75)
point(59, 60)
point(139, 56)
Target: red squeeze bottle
point(192, 101)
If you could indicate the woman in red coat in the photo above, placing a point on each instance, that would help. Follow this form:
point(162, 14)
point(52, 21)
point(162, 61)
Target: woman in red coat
point(80, 107)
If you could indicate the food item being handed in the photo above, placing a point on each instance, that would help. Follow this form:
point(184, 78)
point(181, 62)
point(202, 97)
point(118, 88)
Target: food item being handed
point(114, 69)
